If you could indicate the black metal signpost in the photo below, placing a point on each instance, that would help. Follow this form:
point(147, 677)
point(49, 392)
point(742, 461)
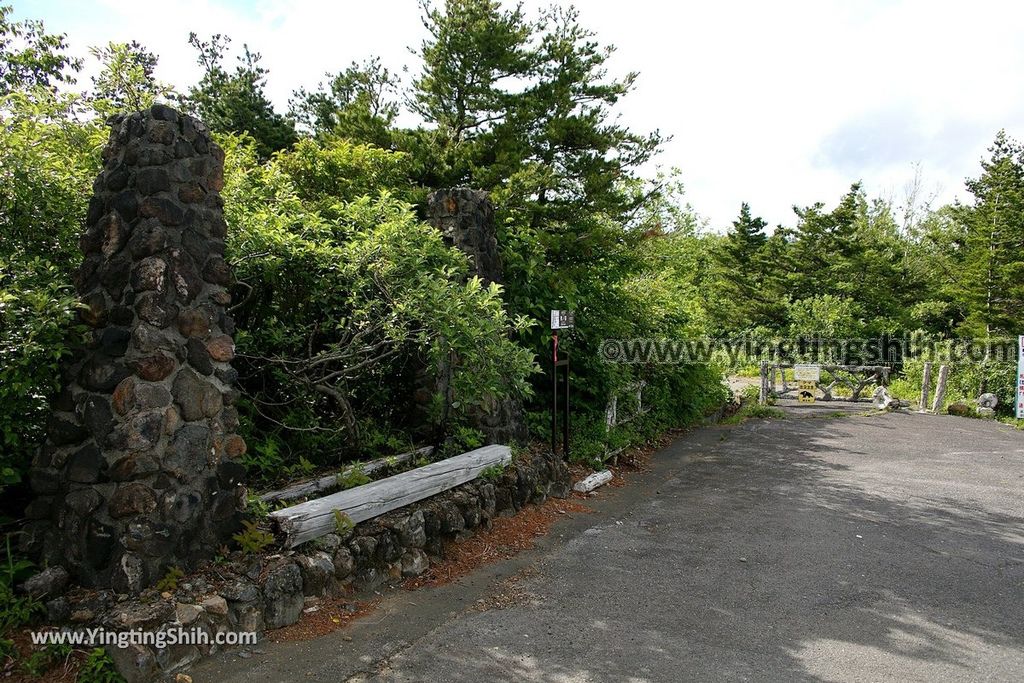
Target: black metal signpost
point(560, 320)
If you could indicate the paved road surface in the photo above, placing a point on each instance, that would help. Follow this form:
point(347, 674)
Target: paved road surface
point(857, 548)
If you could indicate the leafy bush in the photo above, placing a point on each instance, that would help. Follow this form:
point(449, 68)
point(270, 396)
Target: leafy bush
point(99, 668)
point(493, 472)
point(253, 539)
point(170, 580)
point(827, 317)
point(343, 297)
point(37, 310)
point(343, 524)
point(15, 609)
point(47, 165)
point(352, 476)
point(41, 661)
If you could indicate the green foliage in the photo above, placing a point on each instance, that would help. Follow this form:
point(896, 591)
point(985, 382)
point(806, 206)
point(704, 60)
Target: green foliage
point(235, 102)
point(352, 476)
point(15, 609)
point(464, 439)
point(47, 165)
point(751, 410)
point(258, 508)
point(474, 50)
point(357, 104)
point(30, 58)
point(36, 327)
point(345, 286)
point(169, 581)
point(126, 82)
point(253, 539)
point(745, 285)
point(41, 661)
point(988, 282)
point(329, 174)
point(969, 377)
point(826, 316)
point(343, 524)
point(493, 472)
point(99, 668)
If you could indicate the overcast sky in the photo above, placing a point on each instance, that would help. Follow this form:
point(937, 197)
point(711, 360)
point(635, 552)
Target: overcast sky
point(773, 103)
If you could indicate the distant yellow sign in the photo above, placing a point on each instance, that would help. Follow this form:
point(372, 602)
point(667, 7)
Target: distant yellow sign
point(806, 393)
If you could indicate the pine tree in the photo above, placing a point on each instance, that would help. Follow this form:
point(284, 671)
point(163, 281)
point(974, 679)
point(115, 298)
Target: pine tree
point(747, 237)
point(236, 102)
point(990, 282)
point(474, 52)
point(358, 104)
point(751, 291)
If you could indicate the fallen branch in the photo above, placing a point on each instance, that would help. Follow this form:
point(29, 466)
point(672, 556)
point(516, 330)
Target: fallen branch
point(330, 482)
point(593, 481)
point(314, 518)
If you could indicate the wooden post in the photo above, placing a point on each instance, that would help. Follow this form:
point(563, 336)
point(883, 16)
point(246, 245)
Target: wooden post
point(926, 385)
point(940, 388)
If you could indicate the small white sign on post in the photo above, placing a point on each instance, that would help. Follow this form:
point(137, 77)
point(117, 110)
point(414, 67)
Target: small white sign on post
point(561, 320)
point(1020, 377)
point(807, 373)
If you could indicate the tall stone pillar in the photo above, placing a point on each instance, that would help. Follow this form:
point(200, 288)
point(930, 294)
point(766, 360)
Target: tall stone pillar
point(465, 218)
point(140, 468)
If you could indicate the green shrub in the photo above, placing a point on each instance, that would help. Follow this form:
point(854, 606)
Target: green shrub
point(493, 472)
point(343, 524)
point(169, 581)
point(15, 609)
point(253, 539)
point(37, 310)
point(47, 165)
point(352, 476)
point(754, 411)
point(99, 668)
point(346, 294)
point(41, 661)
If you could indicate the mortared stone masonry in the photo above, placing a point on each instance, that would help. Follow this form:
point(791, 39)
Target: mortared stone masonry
point(140, 470)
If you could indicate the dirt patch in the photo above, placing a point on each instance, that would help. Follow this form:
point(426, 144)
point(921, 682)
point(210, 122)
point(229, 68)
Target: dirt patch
point(64, 670)
point(506, 537)
point(638, 458)
point(328, 616)
point(508, 593)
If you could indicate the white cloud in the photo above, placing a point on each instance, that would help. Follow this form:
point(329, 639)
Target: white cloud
point(772, 103)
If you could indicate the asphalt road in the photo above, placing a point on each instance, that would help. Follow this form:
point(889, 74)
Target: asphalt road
point(813, 548)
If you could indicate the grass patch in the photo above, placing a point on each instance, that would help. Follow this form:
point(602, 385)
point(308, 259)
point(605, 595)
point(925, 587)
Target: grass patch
point(753, 411)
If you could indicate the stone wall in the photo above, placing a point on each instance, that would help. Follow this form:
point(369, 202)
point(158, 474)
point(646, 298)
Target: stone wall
point(139, 471)
point(465, 218)
point(256, 593)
